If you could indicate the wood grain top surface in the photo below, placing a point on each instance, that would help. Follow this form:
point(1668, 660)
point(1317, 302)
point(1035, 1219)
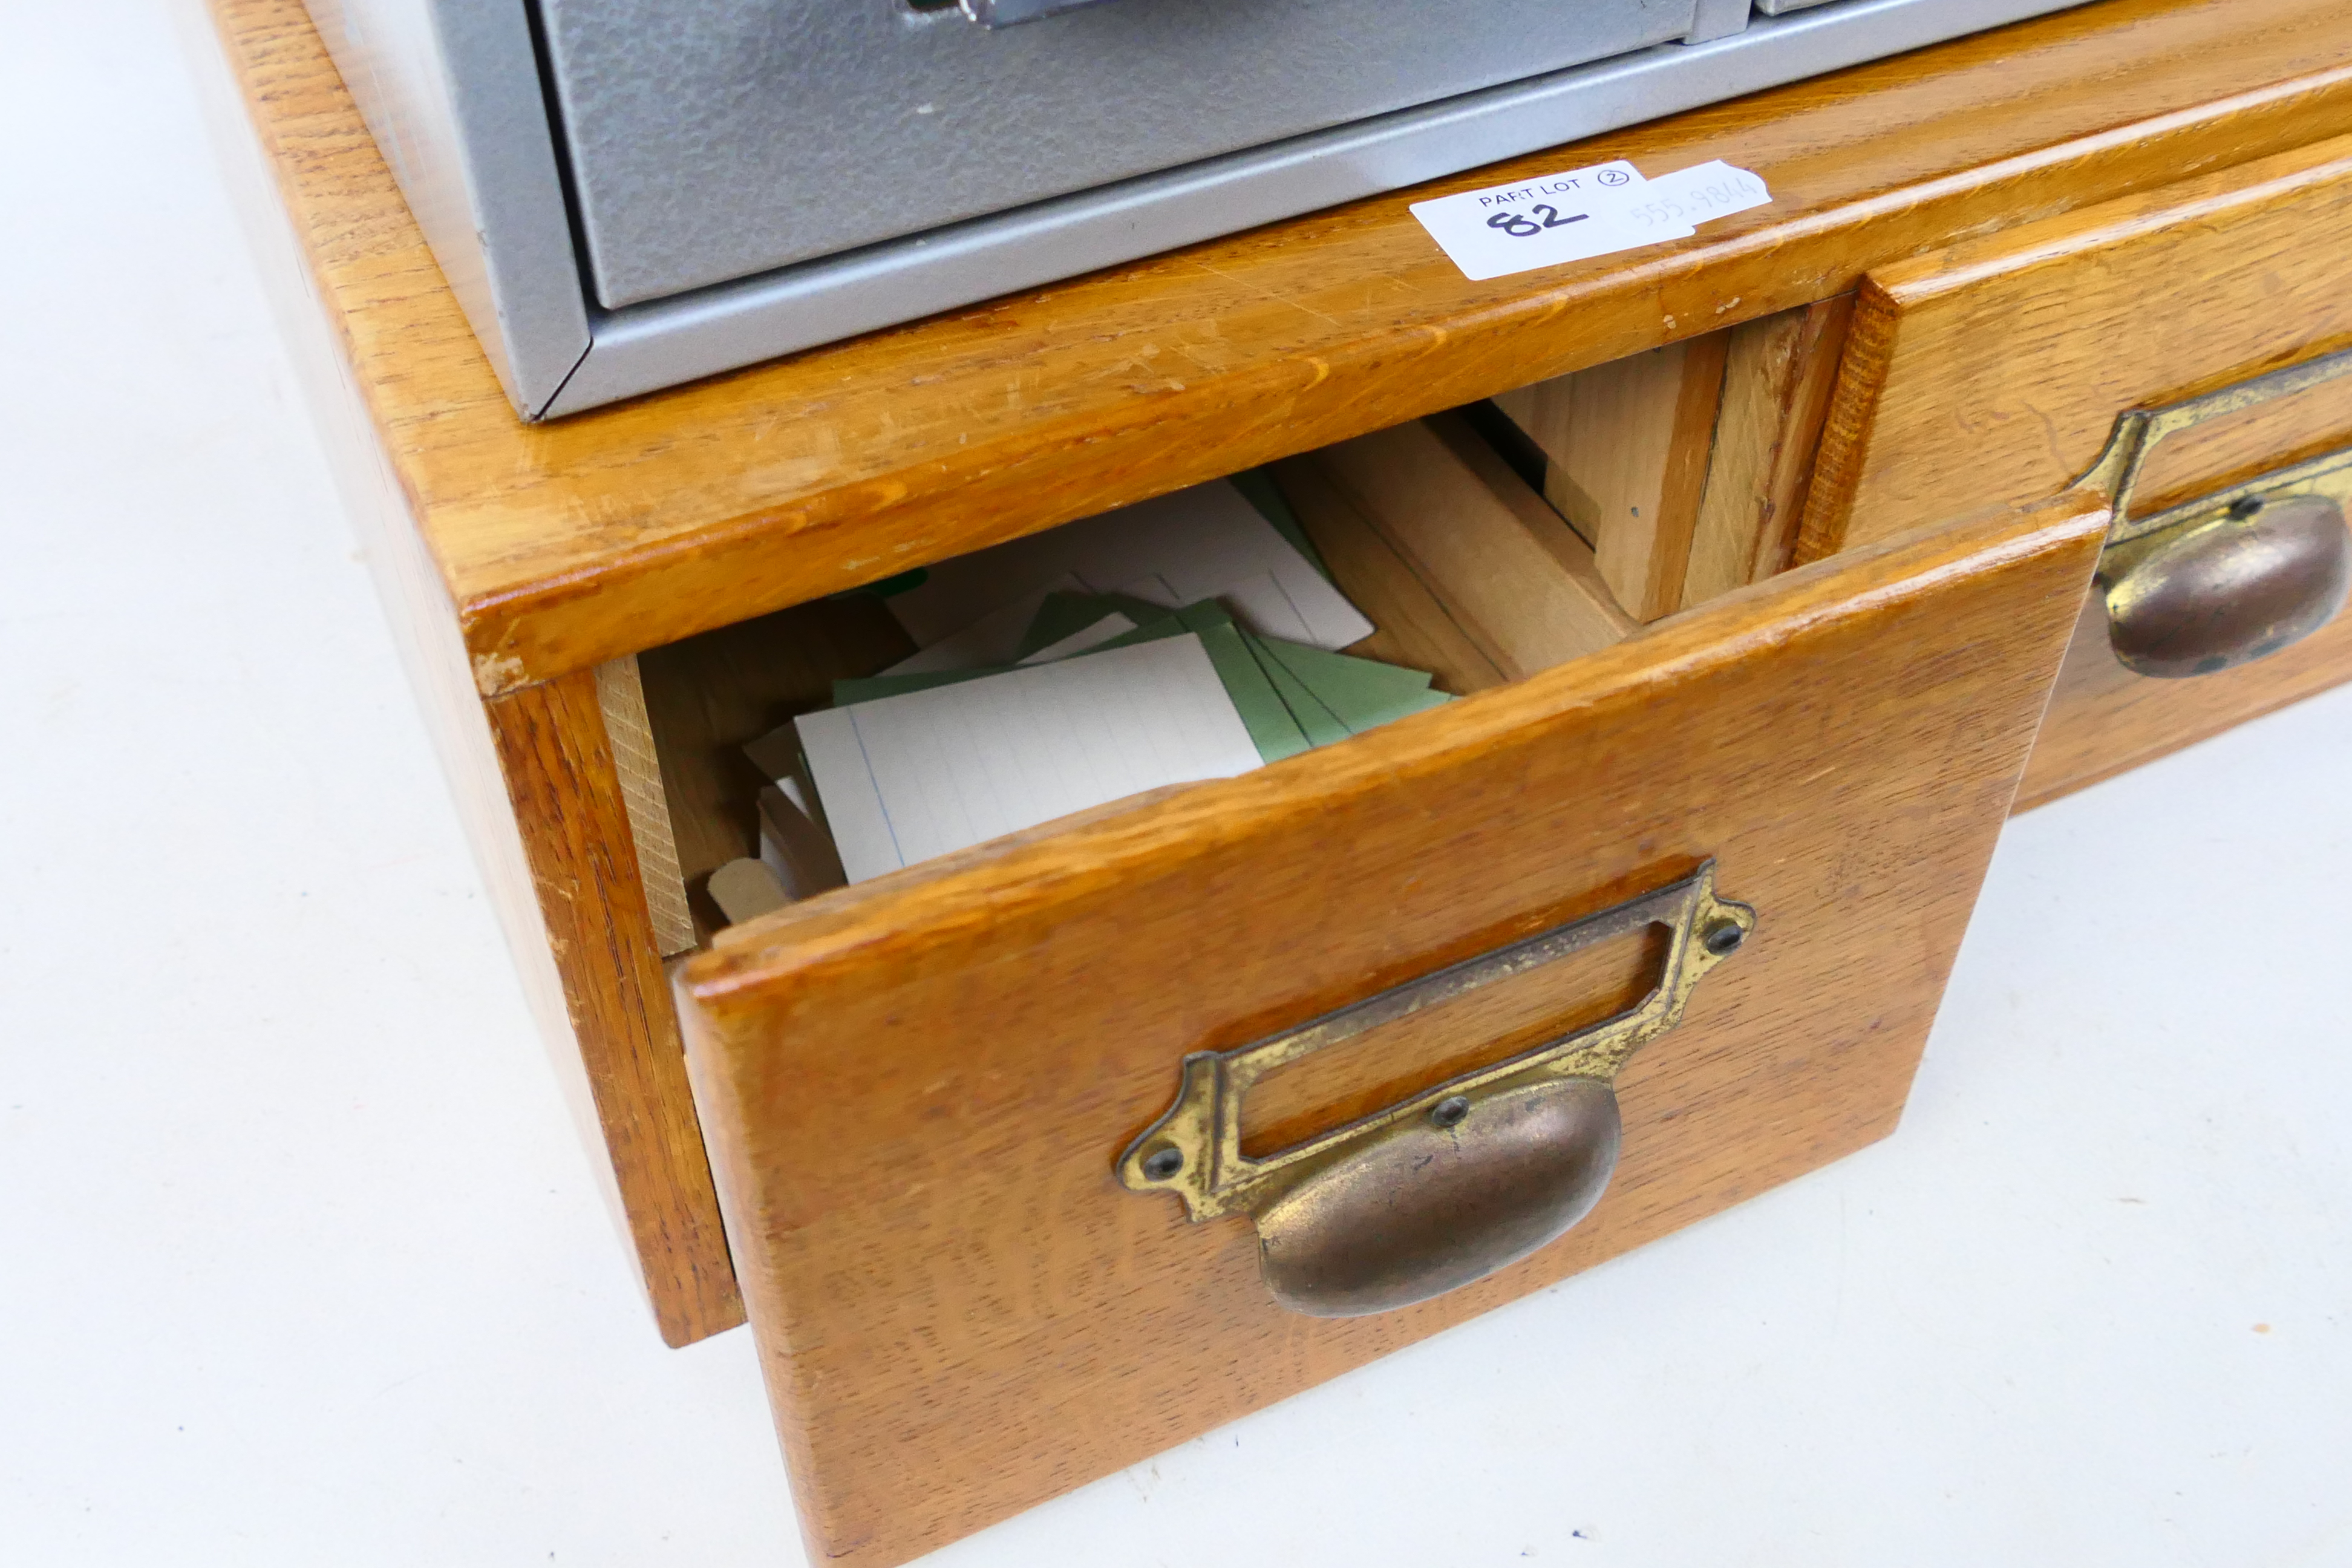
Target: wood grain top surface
point(568, 543)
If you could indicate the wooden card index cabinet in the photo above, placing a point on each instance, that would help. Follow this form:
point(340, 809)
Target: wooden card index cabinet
point(1904, 461)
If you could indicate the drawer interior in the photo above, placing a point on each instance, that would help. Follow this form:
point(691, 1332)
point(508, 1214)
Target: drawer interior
point(1483, 544)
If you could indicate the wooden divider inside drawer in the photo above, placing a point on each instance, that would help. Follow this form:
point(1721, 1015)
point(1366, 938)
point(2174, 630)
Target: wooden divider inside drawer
point(1686, 466)
point(917, 1089)
point(699, 700)
point(1509, 576)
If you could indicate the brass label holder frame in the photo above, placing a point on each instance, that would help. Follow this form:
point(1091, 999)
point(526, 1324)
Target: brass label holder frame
point(1458, 1179)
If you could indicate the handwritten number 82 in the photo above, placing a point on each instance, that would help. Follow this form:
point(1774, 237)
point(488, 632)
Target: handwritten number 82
point(1521, 226)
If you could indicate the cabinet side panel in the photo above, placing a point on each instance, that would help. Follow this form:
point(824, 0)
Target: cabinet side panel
point(566, 797)
point(668, 1217)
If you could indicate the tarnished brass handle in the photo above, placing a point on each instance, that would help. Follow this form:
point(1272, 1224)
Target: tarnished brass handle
point(1461, 1179)
point(2235, 580)
point(2235, 576)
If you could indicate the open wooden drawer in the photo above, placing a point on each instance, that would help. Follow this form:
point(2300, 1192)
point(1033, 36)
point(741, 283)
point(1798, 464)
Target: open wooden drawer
point(941, 1104)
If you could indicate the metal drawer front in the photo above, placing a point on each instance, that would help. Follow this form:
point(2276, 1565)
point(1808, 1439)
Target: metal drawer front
point(714, 139)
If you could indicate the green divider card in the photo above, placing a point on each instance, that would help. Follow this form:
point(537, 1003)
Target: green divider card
point(1276, 733)
point(1315, 717)
point(1259, 489)
point(1065, 615)
point(1164, 624)
point(1425, 699)
point(1361, 692)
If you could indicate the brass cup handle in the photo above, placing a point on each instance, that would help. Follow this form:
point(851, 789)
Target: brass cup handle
point(2237, 579)
point(2234, 576)
point(1459, 1180)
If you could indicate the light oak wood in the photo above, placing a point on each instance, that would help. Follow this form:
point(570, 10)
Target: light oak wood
point(563, 546)
point(536, 785)
point(1521, 585)
point(914, 1089)
point(1628, 444)
point(621, 694)
point(1688, 466)
point(538, 555)
point(1993, 372)
point(2104, 719)
point(565, 795)
point(705, 696)
point(745, 889)
point(1778, 378)
point(1416, 629)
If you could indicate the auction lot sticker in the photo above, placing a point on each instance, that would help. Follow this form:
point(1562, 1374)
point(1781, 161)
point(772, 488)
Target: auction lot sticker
point(1581, 212)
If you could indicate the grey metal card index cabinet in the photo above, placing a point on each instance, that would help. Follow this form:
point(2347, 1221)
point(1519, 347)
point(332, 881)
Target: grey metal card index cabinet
point(630, 194)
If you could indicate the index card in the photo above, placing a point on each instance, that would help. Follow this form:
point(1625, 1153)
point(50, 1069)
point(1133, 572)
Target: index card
point(1077, 642)
point(991, 638)
point(1199, 544)
point(905, 778)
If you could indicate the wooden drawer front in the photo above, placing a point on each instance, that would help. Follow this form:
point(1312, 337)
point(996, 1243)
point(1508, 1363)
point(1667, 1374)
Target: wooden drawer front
point(2104, 719)
point(1994, 373)
point(916, 1090)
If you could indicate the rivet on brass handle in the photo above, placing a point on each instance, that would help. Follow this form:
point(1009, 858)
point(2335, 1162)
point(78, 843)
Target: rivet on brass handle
point(1459, 1180)
point(2232, 578)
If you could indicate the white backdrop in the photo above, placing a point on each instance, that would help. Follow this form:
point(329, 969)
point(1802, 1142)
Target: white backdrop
point(300, 1265)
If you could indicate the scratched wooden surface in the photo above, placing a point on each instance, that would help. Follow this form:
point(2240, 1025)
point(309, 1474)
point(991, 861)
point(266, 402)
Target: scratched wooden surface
point(538, 784)
point(1992, 371)
point(1776, 396)
point(914, 1091)
point(568, 544)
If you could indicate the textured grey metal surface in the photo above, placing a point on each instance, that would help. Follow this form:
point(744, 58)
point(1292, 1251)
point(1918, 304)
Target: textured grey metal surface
point(667, 341)
point(450, 89)
point(710, 140)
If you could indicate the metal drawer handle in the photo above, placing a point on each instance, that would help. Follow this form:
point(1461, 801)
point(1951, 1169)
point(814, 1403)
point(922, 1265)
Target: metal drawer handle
point(1458, 1180)
point(2231, 577)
